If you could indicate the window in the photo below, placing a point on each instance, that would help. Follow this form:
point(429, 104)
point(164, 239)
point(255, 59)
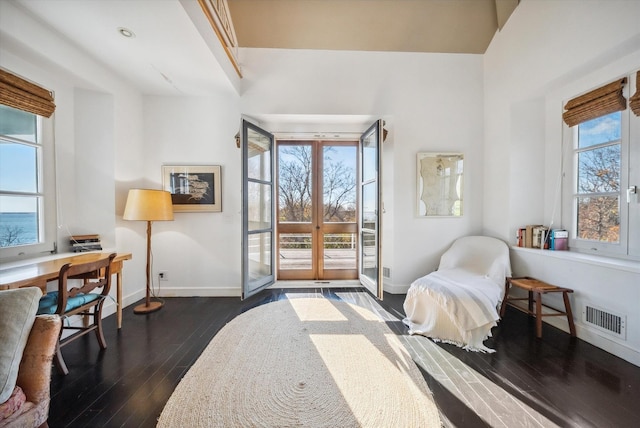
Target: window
point(597, 197)
point(27, 188)
point(599, 170)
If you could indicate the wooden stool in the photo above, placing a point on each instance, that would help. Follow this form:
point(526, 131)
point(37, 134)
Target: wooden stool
point(536, 289)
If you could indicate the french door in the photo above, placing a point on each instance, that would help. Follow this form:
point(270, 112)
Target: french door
point(257, 209)
point(332, 230)
point(370, 218)
point(317, 225)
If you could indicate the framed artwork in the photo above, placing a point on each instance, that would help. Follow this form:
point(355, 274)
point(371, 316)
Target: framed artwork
point(440, 184)
point(193, 188)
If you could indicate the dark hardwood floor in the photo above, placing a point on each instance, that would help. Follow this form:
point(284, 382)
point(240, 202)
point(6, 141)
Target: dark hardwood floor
point(567, 380)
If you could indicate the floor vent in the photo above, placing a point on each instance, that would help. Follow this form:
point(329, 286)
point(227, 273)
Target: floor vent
point(606, 321)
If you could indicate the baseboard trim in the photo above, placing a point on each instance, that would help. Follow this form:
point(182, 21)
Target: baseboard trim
point(395, 288)
point(340, 283)
point(594, 337)
point(200, 292)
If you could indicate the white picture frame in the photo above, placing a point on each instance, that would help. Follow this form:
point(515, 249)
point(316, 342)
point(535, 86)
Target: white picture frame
point(440, 184)
point(193, 188)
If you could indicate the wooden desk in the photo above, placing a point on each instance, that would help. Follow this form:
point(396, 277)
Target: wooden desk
point(39, 273)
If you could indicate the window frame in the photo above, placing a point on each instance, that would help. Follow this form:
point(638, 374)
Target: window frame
point(46, 192)
point(570, 193)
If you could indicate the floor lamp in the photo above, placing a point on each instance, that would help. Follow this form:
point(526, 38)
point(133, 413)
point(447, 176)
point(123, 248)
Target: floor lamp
point(148, 205)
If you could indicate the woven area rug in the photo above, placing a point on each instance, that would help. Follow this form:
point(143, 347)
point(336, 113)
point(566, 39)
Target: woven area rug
point(306, 362)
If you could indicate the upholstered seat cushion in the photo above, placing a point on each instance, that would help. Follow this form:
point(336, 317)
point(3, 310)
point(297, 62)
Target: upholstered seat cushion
point(49, 302)
point(18, 308)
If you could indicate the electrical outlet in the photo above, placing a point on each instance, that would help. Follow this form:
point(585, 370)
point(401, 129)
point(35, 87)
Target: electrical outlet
point(164, 276)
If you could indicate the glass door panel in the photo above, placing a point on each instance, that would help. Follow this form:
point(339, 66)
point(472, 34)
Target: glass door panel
point(370, 271)
point(296, 232)
point(257, 209)
point(259, 206)
point(295, 251)
point(259, 256)
point(295, 183)
point(317, 210)
point(340, 250)
point(339, 183)
point(339, 211)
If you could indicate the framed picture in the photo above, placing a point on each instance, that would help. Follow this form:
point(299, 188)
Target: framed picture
point(440, 184)
point(193, 188)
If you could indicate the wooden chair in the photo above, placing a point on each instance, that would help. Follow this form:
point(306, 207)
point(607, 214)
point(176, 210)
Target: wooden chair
point(84, 300)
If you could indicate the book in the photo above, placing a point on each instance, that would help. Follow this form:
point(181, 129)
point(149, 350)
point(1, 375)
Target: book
point(86, 244)
point(559, 240)
point(546, 239)
point(539, 234)
point(79, 238)
point(528, 236)
point(520, 237)
point(81, 243)
point(87, 248)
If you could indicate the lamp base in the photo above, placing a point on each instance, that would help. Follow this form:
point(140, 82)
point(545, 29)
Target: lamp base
point(145, 309)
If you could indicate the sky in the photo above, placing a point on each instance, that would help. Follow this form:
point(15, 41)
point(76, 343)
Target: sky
point(600, 130)
point(17, 173)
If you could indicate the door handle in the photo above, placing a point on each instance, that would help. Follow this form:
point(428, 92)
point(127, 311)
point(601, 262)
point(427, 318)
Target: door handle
point(632, 190)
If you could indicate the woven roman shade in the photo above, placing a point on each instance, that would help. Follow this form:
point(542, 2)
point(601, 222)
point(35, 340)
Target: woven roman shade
point(604, 100)
point(634, 101)
point(23, 95)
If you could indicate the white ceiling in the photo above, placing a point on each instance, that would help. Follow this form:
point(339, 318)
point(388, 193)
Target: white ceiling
point(167, 56)
point(174, 50)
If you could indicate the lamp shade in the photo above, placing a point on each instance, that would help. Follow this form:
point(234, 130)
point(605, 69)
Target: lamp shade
point(149, 205)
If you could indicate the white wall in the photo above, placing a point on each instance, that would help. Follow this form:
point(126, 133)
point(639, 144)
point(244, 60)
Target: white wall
point(201, 252)
point(90, 150)
point(423, 97)
point(549, 52)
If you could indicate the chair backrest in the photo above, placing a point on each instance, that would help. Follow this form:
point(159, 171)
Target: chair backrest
point(479, 254)
point(99, 269)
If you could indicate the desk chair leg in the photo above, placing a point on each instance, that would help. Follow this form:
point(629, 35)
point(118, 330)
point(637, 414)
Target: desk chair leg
point(97, 320)
point(59, 361)
point(567, 309)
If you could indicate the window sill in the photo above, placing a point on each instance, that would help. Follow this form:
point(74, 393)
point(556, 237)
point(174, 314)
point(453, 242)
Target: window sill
point(608, 262)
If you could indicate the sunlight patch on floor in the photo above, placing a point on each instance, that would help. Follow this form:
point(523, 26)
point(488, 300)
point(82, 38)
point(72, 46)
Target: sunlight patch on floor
point(489, 401)
point(398, 388)
point(321, 310)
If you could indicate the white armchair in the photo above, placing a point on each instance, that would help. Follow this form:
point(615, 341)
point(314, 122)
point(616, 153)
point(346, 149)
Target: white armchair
point(459, 302)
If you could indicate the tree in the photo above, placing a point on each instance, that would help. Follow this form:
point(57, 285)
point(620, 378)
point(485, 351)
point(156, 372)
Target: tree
point(598, 215)
point(295, 184)
point(296, 187)
point(11, 235)
point(339, 192)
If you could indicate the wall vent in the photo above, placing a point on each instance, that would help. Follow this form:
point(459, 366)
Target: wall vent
point(606, 321)
point(386, 272)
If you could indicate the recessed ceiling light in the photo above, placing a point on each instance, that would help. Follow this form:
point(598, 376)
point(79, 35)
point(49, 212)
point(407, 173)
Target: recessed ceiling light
point(126, 32)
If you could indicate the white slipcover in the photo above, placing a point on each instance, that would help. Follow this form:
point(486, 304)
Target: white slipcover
point(459, 302)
